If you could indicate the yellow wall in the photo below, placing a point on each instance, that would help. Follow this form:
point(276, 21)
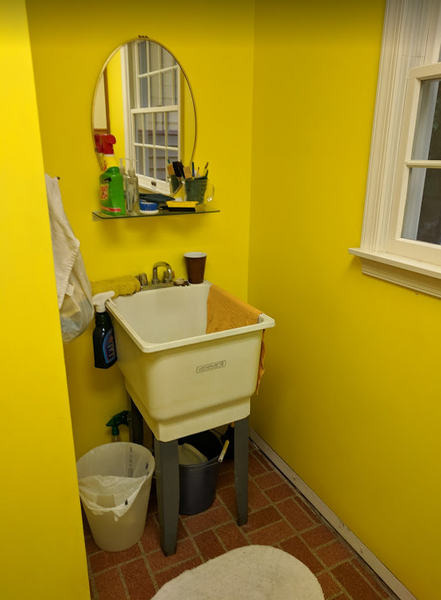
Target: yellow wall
point(42, 539)
point(350, 399)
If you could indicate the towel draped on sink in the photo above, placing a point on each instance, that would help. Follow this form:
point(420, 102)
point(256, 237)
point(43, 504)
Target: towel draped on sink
point(225, 311)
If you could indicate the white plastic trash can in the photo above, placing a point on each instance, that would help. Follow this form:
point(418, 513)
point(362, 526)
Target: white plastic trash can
point(114, 482)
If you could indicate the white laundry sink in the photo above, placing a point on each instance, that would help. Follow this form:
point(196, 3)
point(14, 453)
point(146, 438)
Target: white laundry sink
point(182, 379)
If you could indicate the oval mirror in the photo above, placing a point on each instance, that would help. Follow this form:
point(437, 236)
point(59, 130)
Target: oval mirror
point(143, 98)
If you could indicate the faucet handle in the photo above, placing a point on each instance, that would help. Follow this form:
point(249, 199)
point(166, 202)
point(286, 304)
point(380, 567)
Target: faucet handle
point(142, 278)
point(168, 276)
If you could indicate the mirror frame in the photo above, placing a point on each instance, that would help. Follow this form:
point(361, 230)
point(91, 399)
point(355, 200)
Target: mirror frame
point(102, 73)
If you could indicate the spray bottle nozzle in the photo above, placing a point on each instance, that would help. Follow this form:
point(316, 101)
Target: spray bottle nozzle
point(121, 418)
point(104, 142)
point(99, 300)
point(132, 167)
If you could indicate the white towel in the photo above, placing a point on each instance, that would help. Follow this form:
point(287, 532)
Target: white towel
point(65, 246)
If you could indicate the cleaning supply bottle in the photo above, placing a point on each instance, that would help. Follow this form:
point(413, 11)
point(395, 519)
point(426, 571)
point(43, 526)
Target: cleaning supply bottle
point(104, 348)
point(111, 181)
point(122, 418)
point(132, 189)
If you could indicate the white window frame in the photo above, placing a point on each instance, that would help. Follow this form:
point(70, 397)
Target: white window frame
point(411, 38)
point(145, 182)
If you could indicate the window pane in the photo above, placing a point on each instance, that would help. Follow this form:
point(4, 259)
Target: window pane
point(138, 129)
point(172, 129)
point(154, 56)
point(142, 57)
point(148, 134)
point(172, 155)
point(139, 161)
point(160, 130)
point(167, 59)
point(143, 93)
point(167, 88)
point(175, 89)
point(160, 164)
point(422, 219)
point(154, 90)
point(149, 170)
point(427, 143)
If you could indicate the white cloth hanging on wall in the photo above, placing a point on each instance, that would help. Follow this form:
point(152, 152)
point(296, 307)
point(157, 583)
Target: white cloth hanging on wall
point(65, 246)
point(73, 287)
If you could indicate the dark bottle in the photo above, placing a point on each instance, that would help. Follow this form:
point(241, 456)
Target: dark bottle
point(104, 348)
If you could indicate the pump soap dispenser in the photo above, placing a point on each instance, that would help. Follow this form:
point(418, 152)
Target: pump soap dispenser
point(104, 348)
point(132, 195)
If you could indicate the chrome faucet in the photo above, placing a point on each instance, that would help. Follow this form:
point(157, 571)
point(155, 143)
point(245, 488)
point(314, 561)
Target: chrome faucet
point(168, 275)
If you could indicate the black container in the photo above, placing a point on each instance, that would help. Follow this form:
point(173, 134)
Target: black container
point(198, 482)
point(104, 348)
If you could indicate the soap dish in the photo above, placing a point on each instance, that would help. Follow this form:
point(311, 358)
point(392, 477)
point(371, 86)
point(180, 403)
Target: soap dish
point(148, 208)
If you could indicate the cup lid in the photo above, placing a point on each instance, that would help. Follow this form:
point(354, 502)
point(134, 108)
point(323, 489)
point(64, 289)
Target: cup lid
point(195, 254)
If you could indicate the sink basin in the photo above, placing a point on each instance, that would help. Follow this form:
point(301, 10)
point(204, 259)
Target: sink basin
point(182, 379)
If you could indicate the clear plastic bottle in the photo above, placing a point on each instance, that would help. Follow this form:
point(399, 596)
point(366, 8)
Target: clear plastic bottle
point(122, 170)
point(132, 194)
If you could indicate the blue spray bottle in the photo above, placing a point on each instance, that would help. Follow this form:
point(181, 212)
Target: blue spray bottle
point(104, 348)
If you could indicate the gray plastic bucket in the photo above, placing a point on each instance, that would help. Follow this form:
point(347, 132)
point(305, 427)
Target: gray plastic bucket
point(198, 482)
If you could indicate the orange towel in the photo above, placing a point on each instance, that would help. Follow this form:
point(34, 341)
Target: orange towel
point(224, 311)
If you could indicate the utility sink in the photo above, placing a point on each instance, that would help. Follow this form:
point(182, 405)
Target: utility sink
point(182, 379)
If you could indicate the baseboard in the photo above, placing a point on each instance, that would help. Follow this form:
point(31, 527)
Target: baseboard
point(375, 564)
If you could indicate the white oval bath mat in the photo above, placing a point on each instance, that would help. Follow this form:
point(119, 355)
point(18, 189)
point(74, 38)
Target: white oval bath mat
point(248, 573)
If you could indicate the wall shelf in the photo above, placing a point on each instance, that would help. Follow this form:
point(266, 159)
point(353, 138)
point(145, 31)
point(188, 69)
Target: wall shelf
point(99, 216)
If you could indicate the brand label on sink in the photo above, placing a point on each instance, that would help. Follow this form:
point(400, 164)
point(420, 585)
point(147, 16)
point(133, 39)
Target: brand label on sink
point(211, 366)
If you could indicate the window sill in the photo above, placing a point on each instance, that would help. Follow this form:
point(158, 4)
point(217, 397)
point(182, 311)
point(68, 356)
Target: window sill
point(416, 275)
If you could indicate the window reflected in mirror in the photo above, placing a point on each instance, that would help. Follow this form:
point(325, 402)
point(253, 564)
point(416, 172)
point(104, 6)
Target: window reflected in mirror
point(143, 98)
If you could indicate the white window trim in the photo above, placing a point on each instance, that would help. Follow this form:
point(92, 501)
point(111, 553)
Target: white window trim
point(411, 38)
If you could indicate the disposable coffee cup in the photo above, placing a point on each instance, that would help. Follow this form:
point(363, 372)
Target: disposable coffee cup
point(195, 263)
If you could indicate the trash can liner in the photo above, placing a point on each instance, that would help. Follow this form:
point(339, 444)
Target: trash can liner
point(114, 481)
point(111, 476)
point(110, 494)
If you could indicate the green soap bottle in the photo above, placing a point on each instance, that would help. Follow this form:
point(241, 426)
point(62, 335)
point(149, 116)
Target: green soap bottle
point(112, 192)
point(111, 181)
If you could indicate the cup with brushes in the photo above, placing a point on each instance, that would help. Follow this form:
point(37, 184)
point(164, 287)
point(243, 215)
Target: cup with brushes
point(197, 188)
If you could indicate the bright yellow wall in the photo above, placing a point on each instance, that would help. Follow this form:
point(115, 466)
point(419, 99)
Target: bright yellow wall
point(69, 47)
point(350, 399)
point(43, 547)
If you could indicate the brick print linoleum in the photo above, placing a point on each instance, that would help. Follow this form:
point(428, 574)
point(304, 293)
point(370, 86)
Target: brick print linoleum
point(279, 516)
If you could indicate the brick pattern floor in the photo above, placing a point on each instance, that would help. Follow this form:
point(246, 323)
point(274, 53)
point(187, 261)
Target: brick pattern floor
point(279, 516)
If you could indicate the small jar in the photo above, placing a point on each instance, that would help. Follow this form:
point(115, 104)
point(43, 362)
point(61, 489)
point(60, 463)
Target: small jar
point(148, 208)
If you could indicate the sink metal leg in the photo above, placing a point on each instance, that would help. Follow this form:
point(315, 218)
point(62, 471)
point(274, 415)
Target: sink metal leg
point(241, 469)
point(167, 491)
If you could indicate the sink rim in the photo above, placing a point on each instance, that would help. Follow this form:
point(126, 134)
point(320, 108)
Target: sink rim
point(145, 346)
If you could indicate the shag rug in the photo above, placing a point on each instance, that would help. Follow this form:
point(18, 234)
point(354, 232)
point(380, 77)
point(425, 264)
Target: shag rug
point(248, 573)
